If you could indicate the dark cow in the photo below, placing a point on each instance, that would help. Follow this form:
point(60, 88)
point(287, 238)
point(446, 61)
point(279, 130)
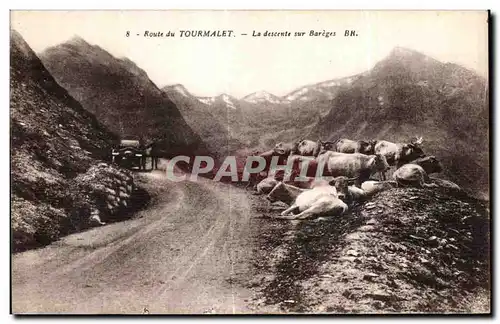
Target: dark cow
point(345, 145)
point(311, 148)
point(360, 166)
point(345, 192)
point(429, 163)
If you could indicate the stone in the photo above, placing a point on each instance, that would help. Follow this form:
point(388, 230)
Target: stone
point(370, 205)
point(366, 228)
point(352, 253)
point(348, 258)
point(370, 276)
point(380, 295)
point(124, 195)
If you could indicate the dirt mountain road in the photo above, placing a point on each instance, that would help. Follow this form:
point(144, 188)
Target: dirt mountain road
point(181, 255)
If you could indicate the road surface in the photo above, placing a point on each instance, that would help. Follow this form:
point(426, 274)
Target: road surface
point(185, 253)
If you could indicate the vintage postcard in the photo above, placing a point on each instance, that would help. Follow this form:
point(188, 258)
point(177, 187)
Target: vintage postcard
point(250, 162)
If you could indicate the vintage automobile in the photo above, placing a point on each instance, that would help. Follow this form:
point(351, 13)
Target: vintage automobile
point(130, 154)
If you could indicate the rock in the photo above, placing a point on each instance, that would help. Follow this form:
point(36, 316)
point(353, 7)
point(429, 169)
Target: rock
point(353, 236)
point(124, 195)
point(371, 221)
point(110, 191)
point(348, 294)
point(352, 253)
point(366, 228)
point(424, 260)
point(370, 205)
point(378, 304)
point(380, 295)
point(413, 198)
point(370, 276)
point(443, 242)
point(348, 258)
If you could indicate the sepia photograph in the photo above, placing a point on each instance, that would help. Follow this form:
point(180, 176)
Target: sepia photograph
point(250, 162)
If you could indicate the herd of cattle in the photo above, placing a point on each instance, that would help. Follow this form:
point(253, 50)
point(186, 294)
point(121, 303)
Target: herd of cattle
point(346, 171)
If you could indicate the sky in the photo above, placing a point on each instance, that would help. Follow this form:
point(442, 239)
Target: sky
point(241, 64)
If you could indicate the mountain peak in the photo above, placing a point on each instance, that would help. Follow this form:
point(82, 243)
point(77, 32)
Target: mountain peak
point(406, 54)
point(79, 41)
point(178, 88)
point(398, 50)
point(262, 96)
point(228, 100)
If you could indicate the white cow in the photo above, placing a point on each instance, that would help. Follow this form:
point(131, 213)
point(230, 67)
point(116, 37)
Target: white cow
point(320, 200)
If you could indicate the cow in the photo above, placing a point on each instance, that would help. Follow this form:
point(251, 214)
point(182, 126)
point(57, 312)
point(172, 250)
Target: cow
point(285, 149)
point(360, 166)
point(371, 187)
point(266, 185)
point(429, 163)
point(345, 192)
point(281, 150)
point(284, 193)
point(320, 200)
point(412, 175)
point(399, 154)
point(311, 148)
point(345, 145)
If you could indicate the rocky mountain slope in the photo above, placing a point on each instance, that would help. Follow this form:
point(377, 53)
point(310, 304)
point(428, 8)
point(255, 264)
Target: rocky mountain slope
point(58, 183)
point(121, 96)
point(409, 94)
point(406, 250)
